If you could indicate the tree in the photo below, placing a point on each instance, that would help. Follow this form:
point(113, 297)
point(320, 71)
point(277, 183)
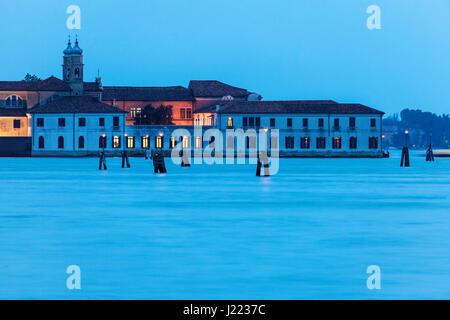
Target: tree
point(31, 78)
point(161, 115)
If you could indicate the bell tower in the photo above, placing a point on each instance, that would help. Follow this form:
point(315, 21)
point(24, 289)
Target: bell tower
point(73, 68)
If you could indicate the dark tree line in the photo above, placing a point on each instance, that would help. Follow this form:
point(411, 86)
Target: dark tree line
point(423, 127)
point(161, 115)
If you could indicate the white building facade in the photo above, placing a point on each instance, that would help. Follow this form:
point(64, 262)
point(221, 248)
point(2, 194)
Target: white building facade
point(77, 126)
point(306, 128)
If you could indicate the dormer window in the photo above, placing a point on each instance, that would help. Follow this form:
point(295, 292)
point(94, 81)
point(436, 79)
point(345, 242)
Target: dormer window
point(14, 101)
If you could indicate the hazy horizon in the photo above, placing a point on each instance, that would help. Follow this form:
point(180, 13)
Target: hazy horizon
point(282, 50)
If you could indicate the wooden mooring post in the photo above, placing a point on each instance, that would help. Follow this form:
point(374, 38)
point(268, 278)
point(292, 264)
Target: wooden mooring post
point(263, 160)
point(405, 152)
point(102, 161)
point(158, 162)
point(125, 159)
point(430, 155)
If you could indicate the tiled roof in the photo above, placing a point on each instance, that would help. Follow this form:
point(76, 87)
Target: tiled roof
point(296, 106)
point(215, 89)
point(12, 112)
point(83, 104)
point(91, 86)
point(49, 84)
point(176, 93)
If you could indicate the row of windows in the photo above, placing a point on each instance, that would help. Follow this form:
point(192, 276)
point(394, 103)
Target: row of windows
point(15, 101)
point(185, 113)
point(336, 143)
point(256, 122)
point(81, 122)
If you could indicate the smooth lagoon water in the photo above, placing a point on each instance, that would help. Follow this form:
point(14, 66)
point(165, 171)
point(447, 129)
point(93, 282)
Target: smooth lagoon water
point(219, 232)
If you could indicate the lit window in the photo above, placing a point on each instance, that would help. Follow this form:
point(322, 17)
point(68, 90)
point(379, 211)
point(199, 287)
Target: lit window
point(159, 142)
point(186, 142)
point(304, 142)
point(198, 142)
point(130, 142)
point(144, 142)
point(337, 143)
point(173, 142)
point(116, 142)
point(230, 122)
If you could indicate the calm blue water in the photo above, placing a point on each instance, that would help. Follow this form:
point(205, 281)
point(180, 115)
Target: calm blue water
point(218, 232)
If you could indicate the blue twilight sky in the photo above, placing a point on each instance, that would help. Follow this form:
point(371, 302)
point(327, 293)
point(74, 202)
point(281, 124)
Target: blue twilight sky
point(285, 49)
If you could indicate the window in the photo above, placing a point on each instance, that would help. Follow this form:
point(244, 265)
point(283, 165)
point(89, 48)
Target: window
point(116, 142)
point(353, 143)
point(305, 123)
point(173, 142)
point(102, 142)
point(244, 121)
point(320, 122)
point(40, 122)
point(144, 142)
point(135, 112)
point(257, 122)
point(230, 122)
point(305, 142)
point(251, 142)
point(159, 142)
point(336, 124)
point(77, 73)
point(289, 122)
point(198, 142)
point(337, 143)
point(130, 142)
point(16, 124)
point(14, 101)
point(186, 142)
point(188, 113)
point(182, 113)
point(61, 122)
point(352, 122)
point(101, 122)
point(289, 142)
point(373, 143)
point(41, 142)
point(80, 142)
point(321, 143)
point(272, 122)
point(60, 142)
point(373, 123)
point(251, 122)
point(82, 122)
point(115, 121)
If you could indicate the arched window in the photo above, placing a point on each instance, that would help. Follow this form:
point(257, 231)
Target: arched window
point(61, 142)
point(77, 73)
point(102, 142)
point(80, 142)
point(14, 101)
point(41, 142)
point(68, 74)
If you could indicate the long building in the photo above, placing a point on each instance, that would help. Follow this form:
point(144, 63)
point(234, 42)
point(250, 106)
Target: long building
point(70, 116)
